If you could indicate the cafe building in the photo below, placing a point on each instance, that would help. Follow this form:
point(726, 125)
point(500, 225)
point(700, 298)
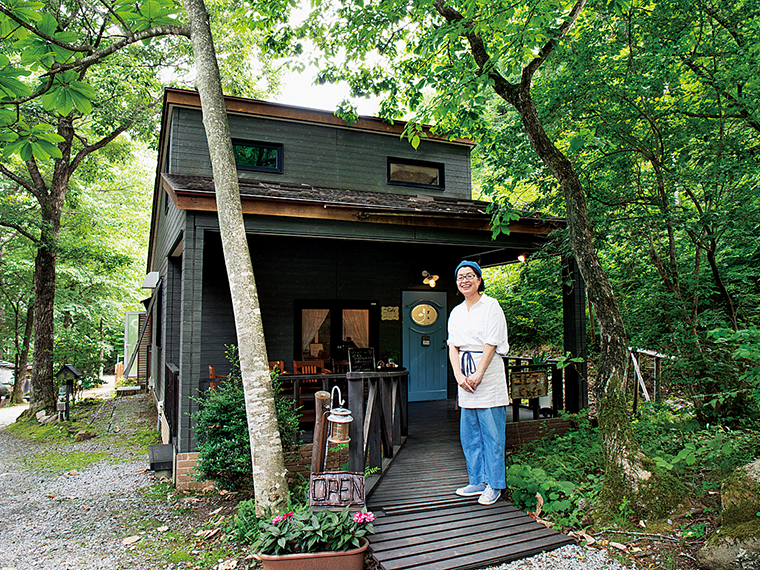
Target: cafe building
point(354, 236)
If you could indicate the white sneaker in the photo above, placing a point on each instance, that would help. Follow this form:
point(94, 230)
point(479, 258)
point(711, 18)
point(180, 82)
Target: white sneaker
point(489, 496)
point(471, 490)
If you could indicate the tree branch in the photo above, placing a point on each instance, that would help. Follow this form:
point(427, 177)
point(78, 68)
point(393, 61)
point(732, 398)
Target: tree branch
point(96, 56)
point(37, 179)
point(549, 46)
point(26, 184)
point(20, 230)
point(479, 53)
point(44, 36)
point(107, 139)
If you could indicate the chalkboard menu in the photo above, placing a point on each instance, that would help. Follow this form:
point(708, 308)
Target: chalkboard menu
point(361, 359)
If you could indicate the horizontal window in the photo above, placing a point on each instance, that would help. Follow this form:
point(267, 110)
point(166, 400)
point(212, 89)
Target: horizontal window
point(415, 173)
point(259, 156)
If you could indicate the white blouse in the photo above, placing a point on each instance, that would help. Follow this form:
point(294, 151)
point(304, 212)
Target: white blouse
point(471, 330)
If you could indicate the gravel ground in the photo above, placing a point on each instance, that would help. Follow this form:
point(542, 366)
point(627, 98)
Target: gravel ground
point(79, 519)
point(74, 520)
point(570, 557)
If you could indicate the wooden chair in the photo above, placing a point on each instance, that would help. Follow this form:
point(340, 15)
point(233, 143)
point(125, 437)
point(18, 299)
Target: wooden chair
point(215, 378)
point(308, 366)
point(340, 366)
point(212, 373)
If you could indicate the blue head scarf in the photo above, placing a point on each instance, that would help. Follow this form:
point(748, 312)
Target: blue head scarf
point(476, 268)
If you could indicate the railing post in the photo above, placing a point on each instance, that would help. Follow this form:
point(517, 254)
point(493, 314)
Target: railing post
point(374, 445)
point(558, 387)
point(403, 392)
point(356, 427)
point(386, 414)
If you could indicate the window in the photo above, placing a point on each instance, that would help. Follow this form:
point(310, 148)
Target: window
point(259, 156)
point(328, 329)
point(405, 172)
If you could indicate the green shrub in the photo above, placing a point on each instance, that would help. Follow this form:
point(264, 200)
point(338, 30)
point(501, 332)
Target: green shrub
point(565, 470)
point(221, 427)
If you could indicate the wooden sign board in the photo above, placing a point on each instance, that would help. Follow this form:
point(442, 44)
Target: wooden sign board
point(389, 313)
point(361, 359)
point(336, 489)
point(526, 385)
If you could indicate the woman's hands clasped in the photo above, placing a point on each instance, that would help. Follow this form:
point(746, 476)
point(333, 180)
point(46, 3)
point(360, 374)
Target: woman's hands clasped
point(470, 383)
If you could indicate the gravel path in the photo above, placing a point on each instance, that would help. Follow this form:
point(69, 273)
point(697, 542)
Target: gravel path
point(570, 557)
point(75, 520)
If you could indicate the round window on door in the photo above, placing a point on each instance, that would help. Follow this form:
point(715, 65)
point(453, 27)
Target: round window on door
point(424, 314)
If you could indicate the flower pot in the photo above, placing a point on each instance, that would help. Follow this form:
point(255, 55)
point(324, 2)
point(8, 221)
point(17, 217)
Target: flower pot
point(344, 560)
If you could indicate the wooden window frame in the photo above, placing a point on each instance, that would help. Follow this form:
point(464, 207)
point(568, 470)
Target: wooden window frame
point(410, 162)
point(279, 147)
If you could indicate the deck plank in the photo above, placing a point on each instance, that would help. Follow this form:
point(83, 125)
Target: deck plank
point(421, 523)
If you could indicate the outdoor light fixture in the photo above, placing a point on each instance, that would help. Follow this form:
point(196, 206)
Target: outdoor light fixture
point(429, 279)
point(521, 258)
point(339, 419)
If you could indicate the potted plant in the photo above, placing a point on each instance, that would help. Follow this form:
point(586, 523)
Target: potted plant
point(320, 540)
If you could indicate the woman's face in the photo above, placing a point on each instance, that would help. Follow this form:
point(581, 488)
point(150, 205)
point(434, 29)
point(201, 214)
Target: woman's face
point(467, 281)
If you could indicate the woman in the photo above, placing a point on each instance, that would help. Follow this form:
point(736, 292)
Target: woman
point(477, 333)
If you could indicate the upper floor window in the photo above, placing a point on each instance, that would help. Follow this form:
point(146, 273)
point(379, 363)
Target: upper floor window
point(406, 172)
point(259, 156)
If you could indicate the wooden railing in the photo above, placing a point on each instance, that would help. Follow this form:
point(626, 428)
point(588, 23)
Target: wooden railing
point(381, 419)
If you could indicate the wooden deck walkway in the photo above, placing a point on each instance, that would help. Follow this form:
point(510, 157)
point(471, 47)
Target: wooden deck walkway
point(422, 524)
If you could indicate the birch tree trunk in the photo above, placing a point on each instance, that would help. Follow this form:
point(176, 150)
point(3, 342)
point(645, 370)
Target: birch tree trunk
point(266, 449)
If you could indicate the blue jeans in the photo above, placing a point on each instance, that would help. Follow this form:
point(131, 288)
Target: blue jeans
point(483, 434)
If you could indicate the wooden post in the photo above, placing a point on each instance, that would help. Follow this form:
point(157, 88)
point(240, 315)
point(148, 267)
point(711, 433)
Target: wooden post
point(319, 449)
point(557, 390)
point(356, 428)
point(574, 320)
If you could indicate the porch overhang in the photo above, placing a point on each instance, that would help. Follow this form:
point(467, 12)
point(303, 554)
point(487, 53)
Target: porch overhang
point(348, 214)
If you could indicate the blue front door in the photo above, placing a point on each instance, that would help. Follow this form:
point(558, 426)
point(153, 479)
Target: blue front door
point(424, 344)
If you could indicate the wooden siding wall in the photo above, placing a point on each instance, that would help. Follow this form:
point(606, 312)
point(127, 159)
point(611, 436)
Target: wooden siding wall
point(178, 296)
point(289, 269)
point(320, 155)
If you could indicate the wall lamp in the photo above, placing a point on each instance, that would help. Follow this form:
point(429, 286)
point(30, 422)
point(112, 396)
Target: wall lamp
point(429, 279)
point(522, 257)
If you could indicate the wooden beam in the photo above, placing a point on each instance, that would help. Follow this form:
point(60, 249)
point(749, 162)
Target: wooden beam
point(321, 211)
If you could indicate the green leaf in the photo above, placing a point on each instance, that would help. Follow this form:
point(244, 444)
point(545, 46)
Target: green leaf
point(47, 148)
point(577, 142)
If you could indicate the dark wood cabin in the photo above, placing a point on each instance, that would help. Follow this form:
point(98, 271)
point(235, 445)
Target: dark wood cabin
point(342, 221)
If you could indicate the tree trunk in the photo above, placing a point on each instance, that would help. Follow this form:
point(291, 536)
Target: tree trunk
point(42, 392)
point(17, 396)
point(269, 480)
point(51, 207)
point(623, 460)
point(719, 283)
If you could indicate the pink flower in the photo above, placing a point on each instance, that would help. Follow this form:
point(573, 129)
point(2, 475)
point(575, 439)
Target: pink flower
point(363, 517)
point(280, 518)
